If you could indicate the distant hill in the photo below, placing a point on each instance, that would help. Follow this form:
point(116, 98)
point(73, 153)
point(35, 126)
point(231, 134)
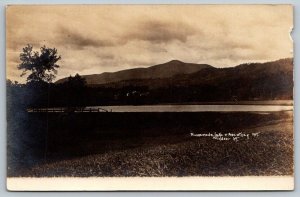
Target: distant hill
point(245, 74)
point(252, 81)
point(179, 82)
point(161, 71)
point(211, 75)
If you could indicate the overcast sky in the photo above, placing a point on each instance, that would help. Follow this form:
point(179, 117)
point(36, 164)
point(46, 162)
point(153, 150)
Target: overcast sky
point(107, 38)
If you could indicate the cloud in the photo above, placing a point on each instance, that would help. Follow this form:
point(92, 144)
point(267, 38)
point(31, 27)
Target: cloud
point(106, 56)
point(156, 31)
point(79, 40)
point(95, 39)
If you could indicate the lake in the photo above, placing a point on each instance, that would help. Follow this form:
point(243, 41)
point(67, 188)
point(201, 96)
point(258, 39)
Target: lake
point(254, 106)
point(196, 108)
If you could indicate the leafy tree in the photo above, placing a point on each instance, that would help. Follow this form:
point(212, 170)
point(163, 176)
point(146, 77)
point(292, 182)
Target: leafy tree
point(76, 82)
point(75, 90)
point(41, 65)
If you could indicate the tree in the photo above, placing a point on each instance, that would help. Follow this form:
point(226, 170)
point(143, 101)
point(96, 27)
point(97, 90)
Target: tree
point(76, 82)
point(75, 90)
point(41, 65)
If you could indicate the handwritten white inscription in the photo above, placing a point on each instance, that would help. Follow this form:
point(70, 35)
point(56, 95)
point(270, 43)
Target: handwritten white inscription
point(235, 136)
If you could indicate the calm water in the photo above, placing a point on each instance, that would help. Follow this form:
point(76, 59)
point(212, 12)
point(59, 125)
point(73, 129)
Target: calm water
point(195, 108)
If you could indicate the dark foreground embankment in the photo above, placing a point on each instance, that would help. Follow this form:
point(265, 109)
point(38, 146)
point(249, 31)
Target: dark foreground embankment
point(155, 144)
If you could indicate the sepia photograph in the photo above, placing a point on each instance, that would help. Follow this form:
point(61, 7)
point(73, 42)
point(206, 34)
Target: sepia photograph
point(149, 97)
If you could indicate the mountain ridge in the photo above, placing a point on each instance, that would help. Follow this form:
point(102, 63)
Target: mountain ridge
point(245, 82)
point(181, 72)
point(165, 70)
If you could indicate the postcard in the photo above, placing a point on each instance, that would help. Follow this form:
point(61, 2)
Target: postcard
point(149, 97)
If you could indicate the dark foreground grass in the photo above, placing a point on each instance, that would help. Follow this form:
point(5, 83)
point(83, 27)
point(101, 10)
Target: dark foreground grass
point(167, 149)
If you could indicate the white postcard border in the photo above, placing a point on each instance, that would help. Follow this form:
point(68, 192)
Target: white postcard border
point(247, 183)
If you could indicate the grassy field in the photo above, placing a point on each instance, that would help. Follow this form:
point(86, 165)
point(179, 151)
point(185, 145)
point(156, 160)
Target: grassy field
point(160, 144)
